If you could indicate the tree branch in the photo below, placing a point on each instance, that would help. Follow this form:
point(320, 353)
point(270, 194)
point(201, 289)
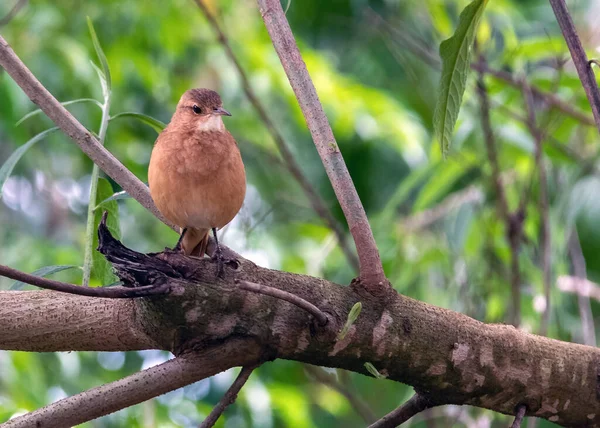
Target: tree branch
point(20, 4)
point(229, 397)
point(371, 270)
point(78, 133)
point(141, 386)
point(520, 414)
point(319, 315)
point(315, 200)
point(543, 207)
point(416, 404)
point(116, 292)
point(584, 68)
point(513, 223)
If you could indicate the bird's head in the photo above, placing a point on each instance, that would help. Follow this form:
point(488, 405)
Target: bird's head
point(201, 109)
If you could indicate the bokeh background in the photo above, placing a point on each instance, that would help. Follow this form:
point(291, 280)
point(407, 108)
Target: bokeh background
point(374, 64)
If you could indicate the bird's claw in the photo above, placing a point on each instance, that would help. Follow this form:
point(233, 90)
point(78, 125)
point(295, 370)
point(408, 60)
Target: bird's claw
point(220, 259)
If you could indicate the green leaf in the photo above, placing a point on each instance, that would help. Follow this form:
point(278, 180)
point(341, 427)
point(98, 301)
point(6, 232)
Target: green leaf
point(66, 103)
point(10, 163)
point(455, 53)
point(100, 54)
point(352, 316)
point(43, 272)
point(156, 124)
point(101, 268)
point(371, 369)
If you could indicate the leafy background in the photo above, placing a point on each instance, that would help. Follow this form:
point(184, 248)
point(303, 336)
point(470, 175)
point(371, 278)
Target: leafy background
point(380, 98)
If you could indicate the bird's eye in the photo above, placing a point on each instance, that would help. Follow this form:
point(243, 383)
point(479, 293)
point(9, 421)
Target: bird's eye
point(196, 109)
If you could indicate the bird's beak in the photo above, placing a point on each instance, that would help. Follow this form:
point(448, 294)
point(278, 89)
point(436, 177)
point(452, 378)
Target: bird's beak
point(221, 110)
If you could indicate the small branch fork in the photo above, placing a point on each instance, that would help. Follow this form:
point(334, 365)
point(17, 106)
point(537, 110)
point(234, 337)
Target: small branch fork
point(319, 315)
point(371, 270)
point(416, 404)
point(229, 397)
point(315, 200)
point(582, 64)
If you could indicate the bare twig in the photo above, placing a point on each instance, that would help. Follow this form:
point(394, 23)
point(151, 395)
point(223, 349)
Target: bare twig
point(20, 4)
point(229, 397)
point(315, 200)
point(141, 386)
point(356, 403)
point(520, 414)
point(513, 221)
point(70, 126)
point(583, 300)
point(106, 292)
point(284, 295)
point(543, 207)
point(416, 404)
point(371, 270)
point(584, 69)
point(421, 51)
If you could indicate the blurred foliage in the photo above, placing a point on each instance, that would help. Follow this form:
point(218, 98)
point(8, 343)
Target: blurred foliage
point(378, 82)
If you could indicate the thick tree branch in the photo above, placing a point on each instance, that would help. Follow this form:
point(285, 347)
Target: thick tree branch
point(371, 270)
point(315, 200)
point(229, 397)
point(141, 386)
point(415, 405)
point(78, 133)
point(106, 292)
point(582, 64)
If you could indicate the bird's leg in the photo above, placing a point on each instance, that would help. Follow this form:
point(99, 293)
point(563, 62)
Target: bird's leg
point(218, 256)
point(177, 248)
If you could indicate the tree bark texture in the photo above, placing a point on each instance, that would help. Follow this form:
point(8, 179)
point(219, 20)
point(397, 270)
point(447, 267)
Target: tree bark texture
point(446, 356)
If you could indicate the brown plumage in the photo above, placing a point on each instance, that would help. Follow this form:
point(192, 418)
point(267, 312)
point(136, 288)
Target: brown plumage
point(196, 175)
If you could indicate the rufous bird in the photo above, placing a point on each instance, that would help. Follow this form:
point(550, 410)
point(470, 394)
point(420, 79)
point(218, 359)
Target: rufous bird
point(196, 174)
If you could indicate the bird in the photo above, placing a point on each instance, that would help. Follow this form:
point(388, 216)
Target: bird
point(196, 174)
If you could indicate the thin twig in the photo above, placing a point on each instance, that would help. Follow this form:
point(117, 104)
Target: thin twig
point(513, 222)
point(416, 404)
point(583, 300)
point(316, 201)
point(71, 126)
point(116, 292)
point(421, 51)
point(229, 397)
point(521, 409)
point(371, 270)
point(543, 207)
point(356, 403)
point(284, 295)
point(584, 69)
point(20, 4)
point(141, 386)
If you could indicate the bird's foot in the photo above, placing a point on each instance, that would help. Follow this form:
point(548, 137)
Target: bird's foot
point(178, 248)
point(220, 259)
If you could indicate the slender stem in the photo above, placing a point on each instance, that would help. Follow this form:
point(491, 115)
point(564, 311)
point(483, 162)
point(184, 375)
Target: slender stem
point(91, 213)
point(13, 12)
point(139, 387)
point(293, 167)
point(583, 300)
point(582, 64)
point(71, 126)
point(319, 315)
point(229, 397)
point(544, 209)
point(108, 292)
point(416, 404)
point(371, 270)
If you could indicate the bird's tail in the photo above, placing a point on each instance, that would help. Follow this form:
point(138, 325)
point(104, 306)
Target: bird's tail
point(195, 241)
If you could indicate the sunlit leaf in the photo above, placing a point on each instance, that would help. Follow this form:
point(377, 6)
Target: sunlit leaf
point(43, 272)
point(101, 268)
point(10, 163)
point(456, 55)
point(66, 103)
point(156, 124)
point(100, 54)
